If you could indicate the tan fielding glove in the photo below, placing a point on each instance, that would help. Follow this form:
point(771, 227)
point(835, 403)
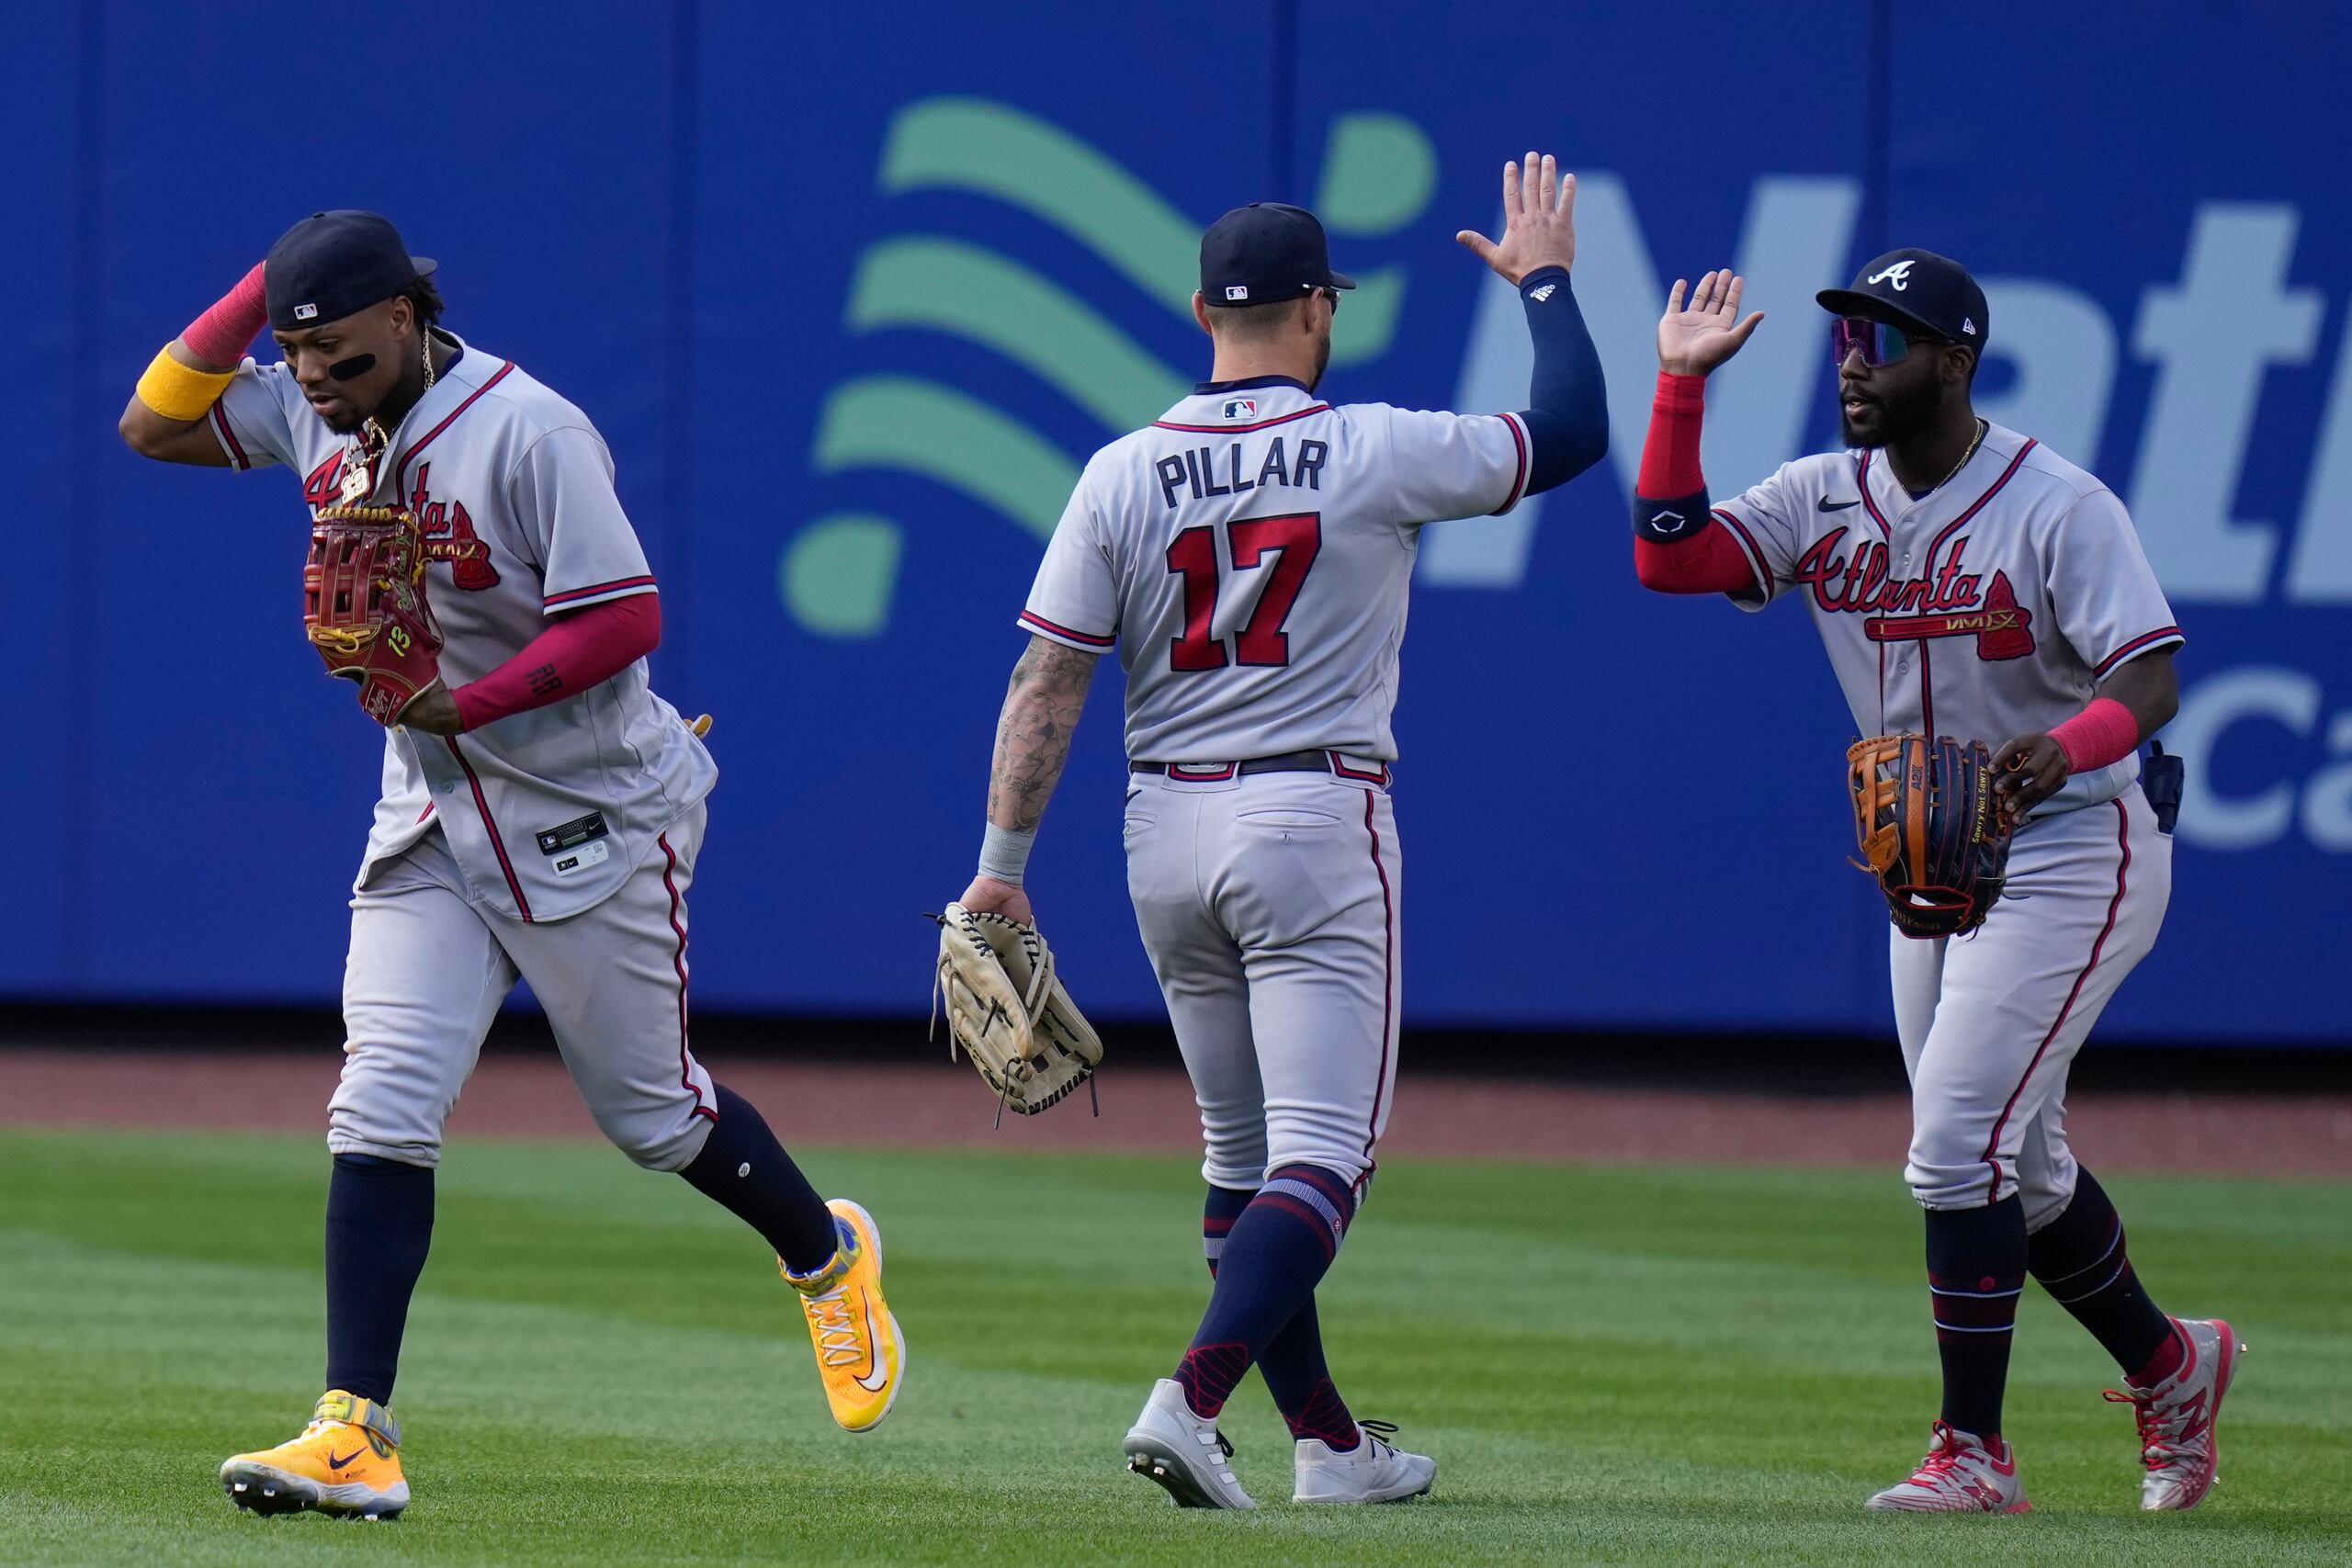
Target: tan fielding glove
point(1007, 1009)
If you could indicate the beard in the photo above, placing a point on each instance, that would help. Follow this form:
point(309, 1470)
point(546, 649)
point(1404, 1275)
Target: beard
point(1893, 415)
point(1322, 358)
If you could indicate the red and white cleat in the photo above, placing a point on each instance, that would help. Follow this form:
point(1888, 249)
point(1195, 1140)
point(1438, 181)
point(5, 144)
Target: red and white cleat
point(2176, 1417)
point(1959, 1475)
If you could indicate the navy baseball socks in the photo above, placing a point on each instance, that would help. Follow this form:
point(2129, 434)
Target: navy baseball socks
point(1977, 1260)
point(2079, 1258)
point(1292, 1363)
point(743, 1169)
point(1976, 1266)
point(1275, 1252)
point(379, 1226)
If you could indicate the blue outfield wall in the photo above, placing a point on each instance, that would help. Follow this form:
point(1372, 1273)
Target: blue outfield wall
point(853, 295)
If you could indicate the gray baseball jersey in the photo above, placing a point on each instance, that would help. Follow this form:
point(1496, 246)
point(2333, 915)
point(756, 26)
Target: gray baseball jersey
point(1250, 553)
point(547, 811)
point(1991, 607)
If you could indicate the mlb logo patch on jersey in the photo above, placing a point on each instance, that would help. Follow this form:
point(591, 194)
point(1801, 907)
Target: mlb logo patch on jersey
point(1240, 408)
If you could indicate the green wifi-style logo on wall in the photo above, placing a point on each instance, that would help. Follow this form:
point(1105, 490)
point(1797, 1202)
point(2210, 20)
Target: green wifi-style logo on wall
point(837, 574)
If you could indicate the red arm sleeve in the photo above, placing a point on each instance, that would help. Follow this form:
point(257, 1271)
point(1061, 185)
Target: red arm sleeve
point(1709, 561)
point(577, 651)
point(1669, 555)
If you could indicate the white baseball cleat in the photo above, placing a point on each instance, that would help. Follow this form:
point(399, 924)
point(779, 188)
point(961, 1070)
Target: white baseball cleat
point(1959, 1475)
point(1188, 1456)
point(2176, 1417)
point(1375, 1470)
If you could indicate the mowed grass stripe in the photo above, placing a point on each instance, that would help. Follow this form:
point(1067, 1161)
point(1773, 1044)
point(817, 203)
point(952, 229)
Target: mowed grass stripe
point(1611, 1365)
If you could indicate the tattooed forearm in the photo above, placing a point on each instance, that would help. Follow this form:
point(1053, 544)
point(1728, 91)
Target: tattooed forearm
point(1032, 735)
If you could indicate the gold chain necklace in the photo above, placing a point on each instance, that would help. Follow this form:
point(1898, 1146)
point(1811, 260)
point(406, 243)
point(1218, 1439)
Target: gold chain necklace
point(1980, 428)
point(369, 442)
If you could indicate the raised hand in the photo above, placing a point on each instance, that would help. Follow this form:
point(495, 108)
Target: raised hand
point(1692, 342)
point(1539, 221)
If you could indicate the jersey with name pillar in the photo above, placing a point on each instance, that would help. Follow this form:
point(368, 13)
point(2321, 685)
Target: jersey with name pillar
point(1249, 554)
point(513, 488)
point(1990, 607)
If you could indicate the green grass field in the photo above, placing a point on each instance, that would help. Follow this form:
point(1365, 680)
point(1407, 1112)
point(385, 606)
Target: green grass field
point(1611, 1366)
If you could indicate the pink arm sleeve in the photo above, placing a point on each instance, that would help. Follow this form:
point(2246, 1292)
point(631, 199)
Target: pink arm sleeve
point(220, 335)
point(577, 651)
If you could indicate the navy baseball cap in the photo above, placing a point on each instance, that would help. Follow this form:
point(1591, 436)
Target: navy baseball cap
point(1266, 251)
point(332, 264)
point(1916, 289)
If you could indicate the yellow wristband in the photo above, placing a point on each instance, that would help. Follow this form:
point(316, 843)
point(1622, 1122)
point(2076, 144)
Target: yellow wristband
point(179, 391)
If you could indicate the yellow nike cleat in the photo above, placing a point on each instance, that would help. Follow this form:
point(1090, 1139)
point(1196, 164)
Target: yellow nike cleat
point(860, 1352)
point(346, 1462)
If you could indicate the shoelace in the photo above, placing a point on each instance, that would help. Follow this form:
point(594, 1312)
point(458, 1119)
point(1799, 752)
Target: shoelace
point(2155, 1441)
point(1946, 1470)
point(836, 1331)
point(1941, 1469)
point(1379, 1433)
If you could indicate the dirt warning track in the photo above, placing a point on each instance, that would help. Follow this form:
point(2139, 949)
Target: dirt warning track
point(525, 1094)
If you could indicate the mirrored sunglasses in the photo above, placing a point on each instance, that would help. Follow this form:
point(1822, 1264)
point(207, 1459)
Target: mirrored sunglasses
point(1878, 342)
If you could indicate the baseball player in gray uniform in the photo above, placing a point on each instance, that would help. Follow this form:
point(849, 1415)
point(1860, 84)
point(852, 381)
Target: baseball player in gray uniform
point(1969, 582)
point(541, 815)
point(1249, 554)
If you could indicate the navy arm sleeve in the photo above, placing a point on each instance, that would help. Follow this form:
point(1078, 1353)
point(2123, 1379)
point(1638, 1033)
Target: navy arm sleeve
point(1567, 419)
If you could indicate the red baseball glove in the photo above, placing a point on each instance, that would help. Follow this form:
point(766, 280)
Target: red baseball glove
point(363, 606)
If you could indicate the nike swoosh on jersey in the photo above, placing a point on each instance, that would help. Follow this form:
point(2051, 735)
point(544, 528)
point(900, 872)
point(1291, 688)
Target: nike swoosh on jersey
point(879, 1376)
point(1825, 505)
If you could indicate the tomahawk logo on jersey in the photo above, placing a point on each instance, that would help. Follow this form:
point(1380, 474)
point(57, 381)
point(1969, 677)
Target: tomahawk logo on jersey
point(1992, 606)
point(514, 489)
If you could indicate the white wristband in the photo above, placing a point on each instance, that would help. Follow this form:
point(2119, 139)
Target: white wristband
point(1004, 853)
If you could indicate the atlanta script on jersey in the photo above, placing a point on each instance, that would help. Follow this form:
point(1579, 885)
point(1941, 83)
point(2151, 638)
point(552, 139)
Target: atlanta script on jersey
point(547, 811)
point(1990, 607)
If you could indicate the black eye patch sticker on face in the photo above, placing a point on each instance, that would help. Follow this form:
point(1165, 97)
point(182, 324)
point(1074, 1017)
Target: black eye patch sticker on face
point(352, 369)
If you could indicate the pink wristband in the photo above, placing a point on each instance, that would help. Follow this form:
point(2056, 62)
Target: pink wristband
point(2103, 733)
point(220, 336)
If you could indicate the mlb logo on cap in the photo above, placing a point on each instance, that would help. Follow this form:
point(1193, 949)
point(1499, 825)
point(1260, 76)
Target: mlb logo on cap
point(304, 313)
point(1266, 252)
